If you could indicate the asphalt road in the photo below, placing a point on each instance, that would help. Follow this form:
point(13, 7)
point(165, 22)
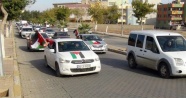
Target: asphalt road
point(111, 40)
point(115, 80)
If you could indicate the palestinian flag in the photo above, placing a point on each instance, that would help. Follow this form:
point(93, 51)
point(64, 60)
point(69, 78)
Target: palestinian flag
point(40, 42)
point(76, 55)
point(94, 42)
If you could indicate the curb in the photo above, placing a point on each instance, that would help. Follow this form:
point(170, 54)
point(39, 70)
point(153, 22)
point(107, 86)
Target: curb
point(16, 79)
point(117, 51)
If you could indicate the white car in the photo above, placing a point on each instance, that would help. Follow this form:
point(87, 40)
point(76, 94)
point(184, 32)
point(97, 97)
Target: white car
point(96, 43)
point(158, 50)
point(71, 57)
point(25, 31)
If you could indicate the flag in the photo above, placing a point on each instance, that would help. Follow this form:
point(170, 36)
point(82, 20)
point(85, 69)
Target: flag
point(40, 42)
point(94, 42)
point(76, 55)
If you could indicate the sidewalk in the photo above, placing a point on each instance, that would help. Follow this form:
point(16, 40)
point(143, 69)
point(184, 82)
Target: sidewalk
point(10, 82)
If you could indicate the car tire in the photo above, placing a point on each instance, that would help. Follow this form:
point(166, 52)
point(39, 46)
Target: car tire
point(131, 62)
point(46, 62)
point(28, 48)
point(164, 71)
point(58, 74)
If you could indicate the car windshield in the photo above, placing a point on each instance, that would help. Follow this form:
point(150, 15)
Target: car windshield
point(62, 34)
point(72, 46)
point(44, 35)
point(26, 29)
point(91, 37)
point(49, 30)
point(172, 43)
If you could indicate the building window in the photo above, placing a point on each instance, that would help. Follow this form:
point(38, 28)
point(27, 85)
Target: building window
point(111, 3)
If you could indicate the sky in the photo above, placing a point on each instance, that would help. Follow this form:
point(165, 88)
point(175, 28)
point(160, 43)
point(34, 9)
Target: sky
point(41, 5)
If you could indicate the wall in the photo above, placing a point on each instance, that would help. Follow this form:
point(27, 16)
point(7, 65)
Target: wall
point(115, 28)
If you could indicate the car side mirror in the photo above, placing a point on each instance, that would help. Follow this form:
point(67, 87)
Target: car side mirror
point(52, 50)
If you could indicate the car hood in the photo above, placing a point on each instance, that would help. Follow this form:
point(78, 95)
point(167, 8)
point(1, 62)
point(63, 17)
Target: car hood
point(93, 42)
point(78, 55)
point(177, 54)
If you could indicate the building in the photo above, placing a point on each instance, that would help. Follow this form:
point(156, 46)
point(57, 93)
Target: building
point(170, 14)
point(76, 5)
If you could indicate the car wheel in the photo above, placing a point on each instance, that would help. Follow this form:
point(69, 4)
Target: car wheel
point(164, 71)
point(131, 62)
point(46, 62)
point(28, 48)
point(58, 74)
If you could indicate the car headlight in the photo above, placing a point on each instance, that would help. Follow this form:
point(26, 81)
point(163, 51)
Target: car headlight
point(179, 61)
point(96, 59)
point(105, 45)
point(63, 60)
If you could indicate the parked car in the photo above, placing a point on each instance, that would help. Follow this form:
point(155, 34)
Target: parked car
point(37, 28)
point(34, 37)
point(71, 57)
point(42, 29)
point(94, 42)
point(61, 35)
point(25, 31)
point(158, 50)
point(50, 32)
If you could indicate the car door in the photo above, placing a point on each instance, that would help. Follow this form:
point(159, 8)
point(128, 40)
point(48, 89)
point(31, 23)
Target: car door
point(53, 55)
point(47, 53)
point(139, 50)
point(151, 53)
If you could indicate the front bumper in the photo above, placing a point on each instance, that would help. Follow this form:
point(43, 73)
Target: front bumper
point(179, 71)
point(25, 34)
point(102, 49)
point(72, 69)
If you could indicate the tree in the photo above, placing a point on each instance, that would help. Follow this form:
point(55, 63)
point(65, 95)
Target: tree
point(111, 14)
point(84, 28)
point(14, 8)
point(78, 12)
point(96, 12)
point(62, 15)
point(141, 9)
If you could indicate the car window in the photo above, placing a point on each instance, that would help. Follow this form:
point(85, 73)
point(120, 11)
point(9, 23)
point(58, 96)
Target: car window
point(151, 45)
point(49, 30)
point(92, 37)
point(172, 43)
point(54, 47)
point(44, 35)
point(132, 39)
point(62, 34)
point(140, 41)
point(72, 46)
point(26, 29)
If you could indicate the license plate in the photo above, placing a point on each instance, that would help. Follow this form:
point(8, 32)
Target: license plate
point(83, 66)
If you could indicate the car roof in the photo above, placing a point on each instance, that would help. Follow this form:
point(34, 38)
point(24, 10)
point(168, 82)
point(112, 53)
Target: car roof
point(27, 27)
point(87, 34)
point(67, 39)
point(154, 32)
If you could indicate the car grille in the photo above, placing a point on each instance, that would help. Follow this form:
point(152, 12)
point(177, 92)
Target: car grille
point(83, 69)
point(82, 61)
point(97, 46)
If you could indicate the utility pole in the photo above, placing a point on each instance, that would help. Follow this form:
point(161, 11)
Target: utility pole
point(1, 56)
point(121, 17)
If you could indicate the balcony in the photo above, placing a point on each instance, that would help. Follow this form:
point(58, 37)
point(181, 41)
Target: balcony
point(176, 18)
point(175, 12)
